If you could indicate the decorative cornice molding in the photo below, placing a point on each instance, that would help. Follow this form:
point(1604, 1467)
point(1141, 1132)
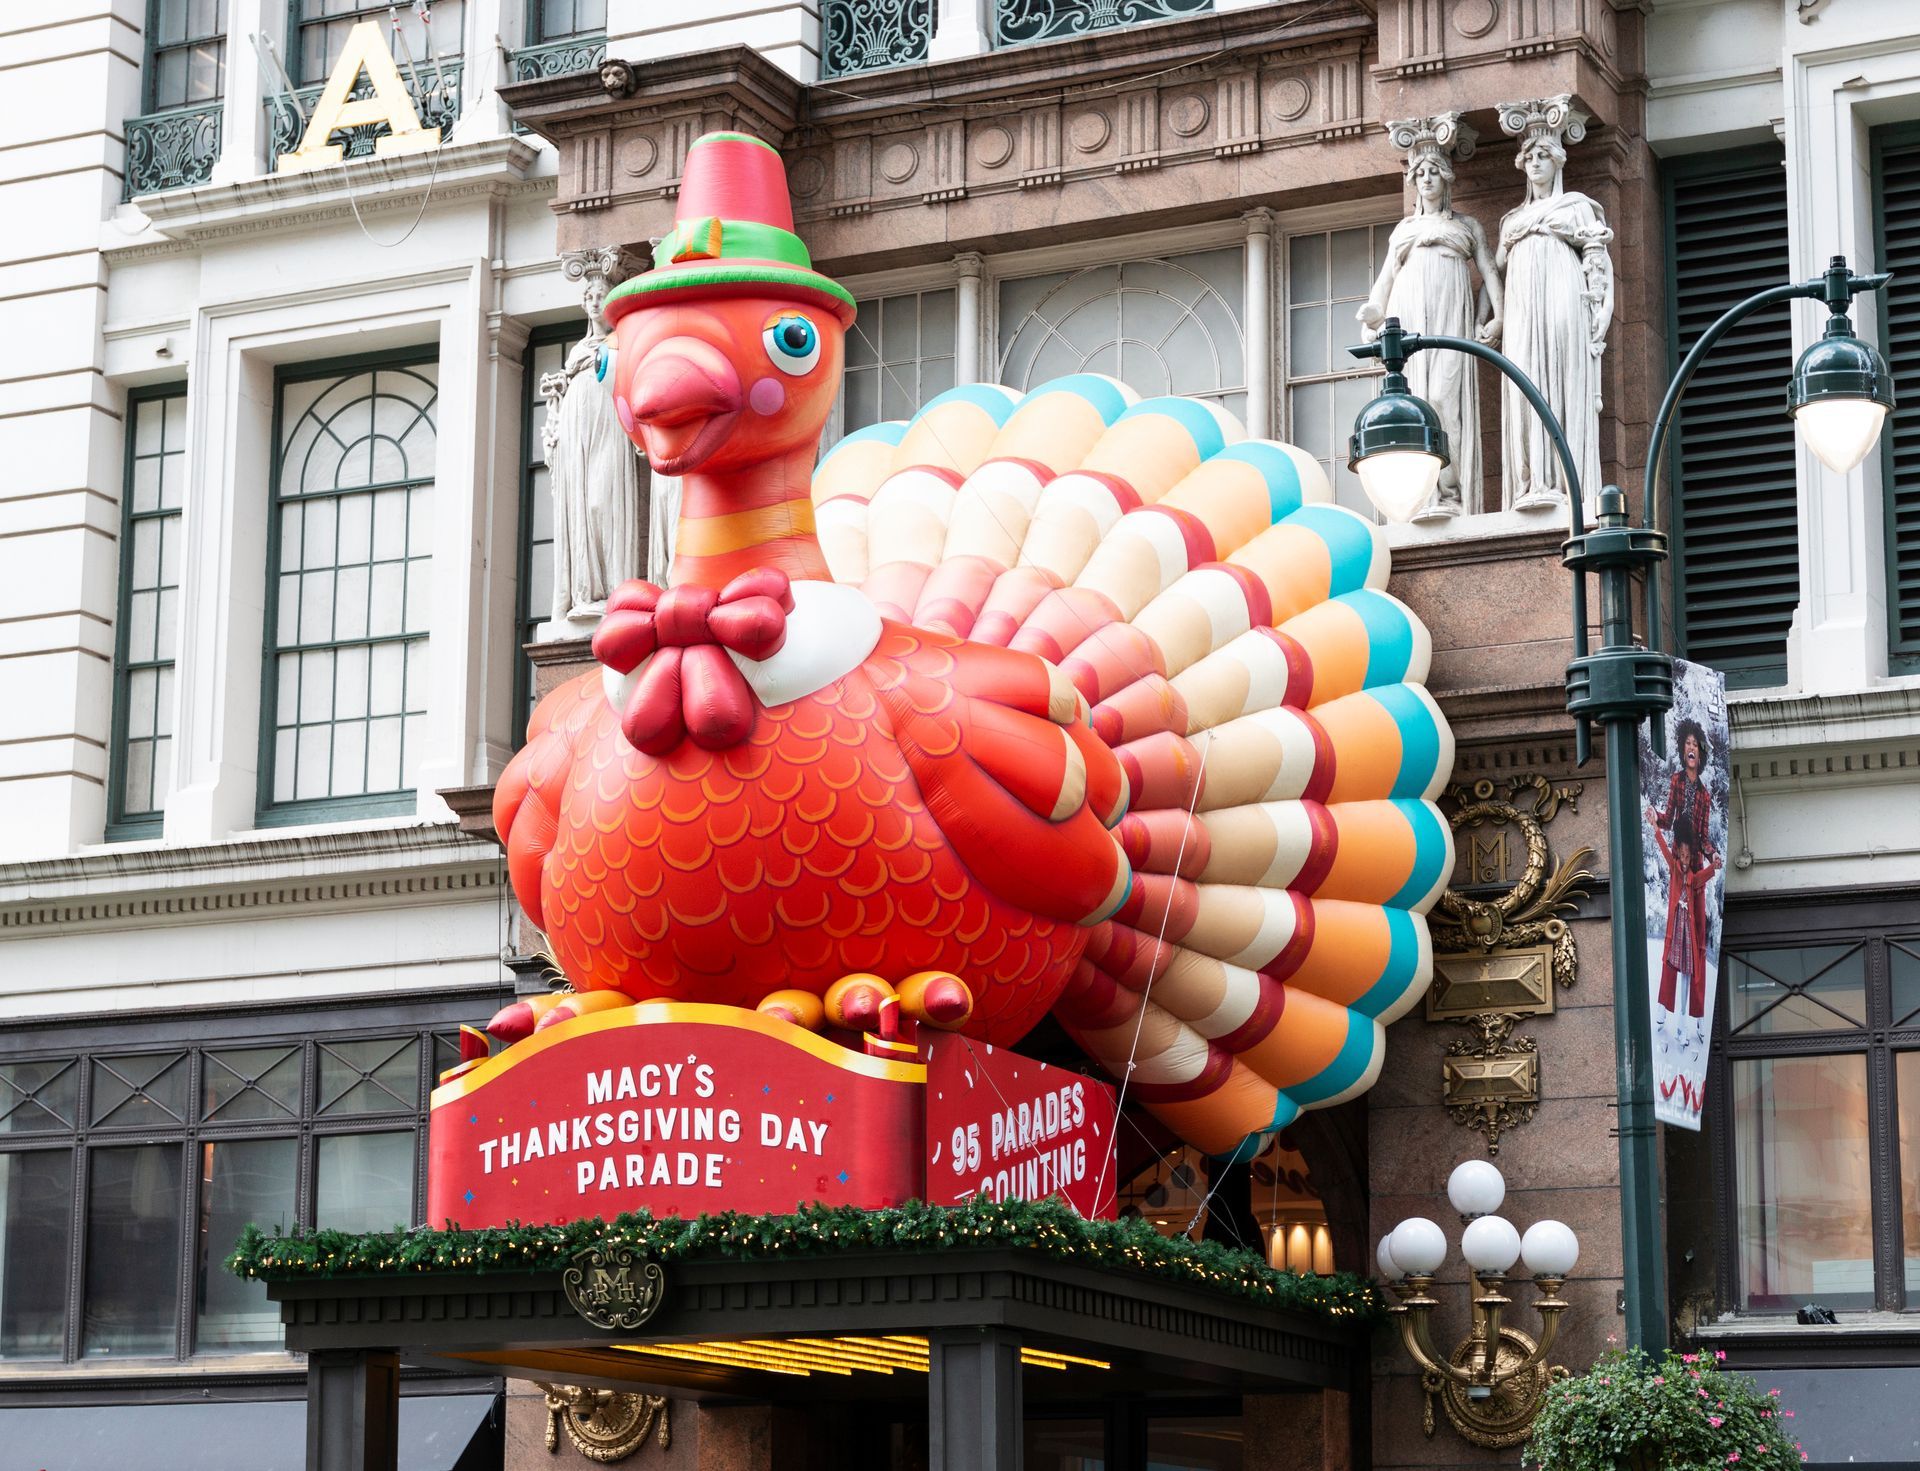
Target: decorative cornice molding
point(309, 870)
point(290, 201)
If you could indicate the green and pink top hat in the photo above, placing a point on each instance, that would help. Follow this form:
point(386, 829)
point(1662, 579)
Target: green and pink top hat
point(733, 227)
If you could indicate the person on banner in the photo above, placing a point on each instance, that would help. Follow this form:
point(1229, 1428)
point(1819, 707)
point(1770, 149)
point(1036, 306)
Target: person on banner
point(1691, 865)
point(1684, 964)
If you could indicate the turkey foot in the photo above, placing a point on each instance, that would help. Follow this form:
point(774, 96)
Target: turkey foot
point(865, 1003)
point(531, 1014)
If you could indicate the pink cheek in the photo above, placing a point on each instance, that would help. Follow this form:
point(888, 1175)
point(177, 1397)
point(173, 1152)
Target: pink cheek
point(625, 413)
point(768, 396)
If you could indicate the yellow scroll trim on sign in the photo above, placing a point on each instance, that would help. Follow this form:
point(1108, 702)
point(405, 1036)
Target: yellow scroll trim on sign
point(366, 50)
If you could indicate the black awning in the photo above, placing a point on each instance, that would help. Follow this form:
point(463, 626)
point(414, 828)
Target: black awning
point(438, 1432)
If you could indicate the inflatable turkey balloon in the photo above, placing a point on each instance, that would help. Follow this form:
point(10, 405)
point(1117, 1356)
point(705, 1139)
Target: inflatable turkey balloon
point(1062, 700)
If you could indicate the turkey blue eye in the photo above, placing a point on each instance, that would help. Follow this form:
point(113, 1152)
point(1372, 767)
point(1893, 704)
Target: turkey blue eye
point(793, 343)
point(603, 362)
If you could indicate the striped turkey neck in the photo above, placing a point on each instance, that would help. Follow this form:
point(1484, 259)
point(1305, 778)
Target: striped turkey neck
point(760, 515)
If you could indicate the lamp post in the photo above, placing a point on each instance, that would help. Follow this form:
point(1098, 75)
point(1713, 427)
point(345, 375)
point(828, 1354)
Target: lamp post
point(1840, 395)
point(1491, 1384)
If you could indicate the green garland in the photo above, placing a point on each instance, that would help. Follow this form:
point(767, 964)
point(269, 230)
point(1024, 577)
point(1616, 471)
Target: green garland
point(1047, 1227)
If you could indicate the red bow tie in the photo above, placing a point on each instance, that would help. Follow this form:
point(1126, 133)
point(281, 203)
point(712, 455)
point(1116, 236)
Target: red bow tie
point(690, 688)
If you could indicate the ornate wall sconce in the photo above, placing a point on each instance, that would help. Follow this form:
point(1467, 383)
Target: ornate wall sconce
point(1492, 1383)
point(604, 1425)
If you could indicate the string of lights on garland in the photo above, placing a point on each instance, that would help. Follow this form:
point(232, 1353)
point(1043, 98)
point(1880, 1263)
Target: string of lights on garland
point(1047, 1227)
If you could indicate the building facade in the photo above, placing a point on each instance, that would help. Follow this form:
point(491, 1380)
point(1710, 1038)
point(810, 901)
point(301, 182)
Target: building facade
point(275, 531)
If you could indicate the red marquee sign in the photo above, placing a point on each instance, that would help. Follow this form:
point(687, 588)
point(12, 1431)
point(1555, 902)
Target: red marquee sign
point(681, 1108)
point(1009, 1128)
point(676, 1108)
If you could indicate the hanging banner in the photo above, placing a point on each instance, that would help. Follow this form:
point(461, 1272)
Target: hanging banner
point(1009, 1128)
point(1684, 819)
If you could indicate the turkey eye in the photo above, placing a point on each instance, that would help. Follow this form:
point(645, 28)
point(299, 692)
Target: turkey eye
point(793, 343)
point(603, 361)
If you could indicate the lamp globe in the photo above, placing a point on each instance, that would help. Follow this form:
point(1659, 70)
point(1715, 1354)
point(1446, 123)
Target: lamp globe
point(1490, 1244)
point(1418, 1246)
point(1476, 1188)
point(1550, 1249)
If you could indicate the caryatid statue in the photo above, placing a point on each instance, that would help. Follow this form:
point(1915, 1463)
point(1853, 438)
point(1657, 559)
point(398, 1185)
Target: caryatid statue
point(1427, 282)
point(598, 480)
point(1559, 304)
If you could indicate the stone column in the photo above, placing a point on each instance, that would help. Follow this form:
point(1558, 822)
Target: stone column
point(490, 24)
point(496, 664)
point(353, 1410)
point(975, 1404)
point(968, 268)
point(1257, 331)
point(1838, 641)
point(243, 122)
point(960, 28)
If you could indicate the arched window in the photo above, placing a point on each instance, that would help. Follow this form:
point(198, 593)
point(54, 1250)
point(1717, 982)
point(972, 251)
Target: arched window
point(350, 558)
point(1160, 325)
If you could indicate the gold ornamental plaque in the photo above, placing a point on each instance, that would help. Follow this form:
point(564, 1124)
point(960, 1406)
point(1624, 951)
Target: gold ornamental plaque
point(614, 1288)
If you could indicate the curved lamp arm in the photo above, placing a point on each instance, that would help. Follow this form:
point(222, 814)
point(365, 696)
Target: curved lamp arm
point(1837, 287)
point(1394, 346)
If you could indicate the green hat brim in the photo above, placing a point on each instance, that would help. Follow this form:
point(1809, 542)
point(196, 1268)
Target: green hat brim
point(719, 278)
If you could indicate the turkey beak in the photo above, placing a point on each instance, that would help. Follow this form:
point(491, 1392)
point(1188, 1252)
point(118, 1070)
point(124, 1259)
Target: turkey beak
point(685, 396)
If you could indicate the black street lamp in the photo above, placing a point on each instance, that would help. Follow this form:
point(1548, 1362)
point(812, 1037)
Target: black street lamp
point(1839, 396)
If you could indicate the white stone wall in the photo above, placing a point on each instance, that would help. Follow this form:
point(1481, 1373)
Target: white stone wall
point(216, 287)
point(785, 32)
point(1830, 764)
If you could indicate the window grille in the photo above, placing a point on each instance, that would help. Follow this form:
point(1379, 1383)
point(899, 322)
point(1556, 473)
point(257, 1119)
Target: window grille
point(349, 590)
point(1328, 275)
point(149, 610)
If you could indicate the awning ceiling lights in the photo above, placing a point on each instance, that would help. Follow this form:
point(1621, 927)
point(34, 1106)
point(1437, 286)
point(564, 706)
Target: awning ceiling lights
point(843, 1356)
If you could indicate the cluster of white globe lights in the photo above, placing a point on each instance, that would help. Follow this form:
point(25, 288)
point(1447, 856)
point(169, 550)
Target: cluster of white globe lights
point(1418, 1248)
point(1415, 1250)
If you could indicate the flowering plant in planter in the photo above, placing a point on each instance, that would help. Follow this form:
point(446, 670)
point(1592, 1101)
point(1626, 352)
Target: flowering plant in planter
point(1682, 1413)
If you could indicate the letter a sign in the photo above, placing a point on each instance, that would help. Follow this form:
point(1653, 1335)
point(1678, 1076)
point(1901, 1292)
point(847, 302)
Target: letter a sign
point(366, 51)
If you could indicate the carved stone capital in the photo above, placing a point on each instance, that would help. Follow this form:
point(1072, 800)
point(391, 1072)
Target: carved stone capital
point(1443, 136)
point(1544, 117)
point(599, 270)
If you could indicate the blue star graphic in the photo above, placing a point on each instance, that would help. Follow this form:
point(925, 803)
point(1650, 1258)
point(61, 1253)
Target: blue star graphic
point(766, 1087)
point(829, 1098)
point(473, 1118)
point(843, 1177)
point(468, 1197)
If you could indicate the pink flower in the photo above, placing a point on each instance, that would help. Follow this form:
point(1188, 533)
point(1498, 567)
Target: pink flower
point(1689, 1358)
point(1766, 1414)
point(1720, 1355)
point(1787, 1413)
point(1701, 1392)
point(1715, 1421)
point(1613, 1338)
point(1805, 1457)
point(1761, 1449)
point(1732, 1456)
point(1773, 1394)
point(1657, 1379)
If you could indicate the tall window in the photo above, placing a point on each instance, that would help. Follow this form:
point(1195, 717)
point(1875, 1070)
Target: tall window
point(169, 1152)
point(1735, 468)
point(1328, 275)
point(349, 590)
point(1897, 196)
point(1821, 1180)
point(321, 27)
point(565, 20)
point(899, 355)
point(149, 609)
point(546, 353)
point(186, 52)
point(1162, 325)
